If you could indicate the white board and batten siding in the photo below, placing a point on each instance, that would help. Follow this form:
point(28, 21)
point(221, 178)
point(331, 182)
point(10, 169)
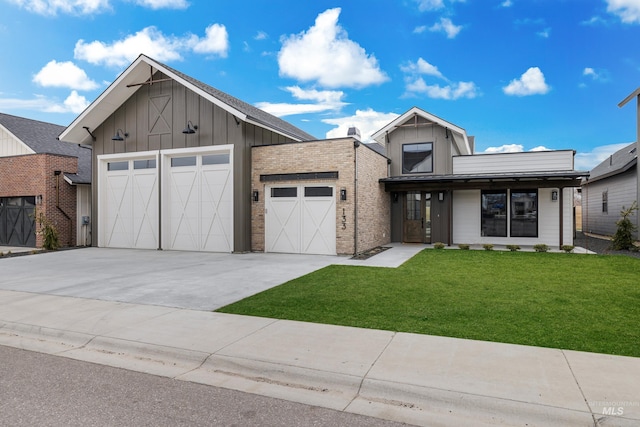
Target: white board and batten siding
point(12, 146)
point(531, 161)
point(467, 220)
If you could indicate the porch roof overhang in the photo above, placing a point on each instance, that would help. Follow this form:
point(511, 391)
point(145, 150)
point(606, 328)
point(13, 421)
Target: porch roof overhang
point(555, 179)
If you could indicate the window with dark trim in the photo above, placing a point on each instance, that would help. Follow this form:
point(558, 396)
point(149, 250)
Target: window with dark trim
point(318, 191)
point(417, 158)
point(605, 201)
point(284, 192)
point(494, 213)
point(524, 213)
point(118, 166)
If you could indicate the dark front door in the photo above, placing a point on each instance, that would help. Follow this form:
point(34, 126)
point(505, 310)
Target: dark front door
point(417, 217)
point(17, 221)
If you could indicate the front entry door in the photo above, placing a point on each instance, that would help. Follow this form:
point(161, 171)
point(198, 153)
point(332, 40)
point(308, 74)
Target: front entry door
point(417, 217)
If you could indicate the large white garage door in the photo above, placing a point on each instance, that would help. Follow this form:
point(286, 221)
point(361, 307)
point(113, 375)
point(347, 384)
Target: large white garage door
point(194, 212)
point(129, 203)
point(301, 219)
point(199, 201)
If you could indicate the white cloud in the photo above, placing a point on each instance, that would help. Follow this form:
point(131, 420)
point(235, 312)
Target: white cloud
point(415, 83)
point(507, 148)
point(73, 104)
point(426, 5)
point(451, 91)
point(506, 3)
point(627, 10)
point(545, 33)
point(71, 7)
point(594, 20)
point(163, 4)
point(589, 160)
point(600, 75)
point(325, 54)
point(64, 74)
point(532, 82)
point(422, 67)
point(152, 43)
point(367, 121)
point(540, 148)
point(216, 41)
point(325, 100)
point(261, 35)
point(446, 26)
point(420, 29)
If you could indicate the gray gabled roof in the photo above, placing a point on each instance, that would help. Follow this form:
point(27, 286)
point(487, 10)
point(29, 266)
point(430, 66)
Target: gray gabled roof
point(619, 162)
point(252, 113)
point(140, 70)
point(41, 137)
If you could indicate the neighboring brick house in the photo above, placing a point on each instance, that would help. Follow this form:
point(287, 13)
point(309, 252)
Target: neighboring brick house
point(320, 196)
point(40, 175)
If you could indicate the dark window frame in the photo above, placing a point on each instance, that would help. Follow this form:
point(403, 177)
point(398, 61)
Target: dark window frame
point(489, 213)
point(405, 160)
point(605, 202)
point(524, 216)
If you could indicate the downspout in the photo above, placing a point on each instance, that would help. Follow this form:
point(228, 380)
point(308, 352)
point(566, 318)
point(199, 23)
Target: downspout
point(561, 200)
point(57, 174)
point(356, 144)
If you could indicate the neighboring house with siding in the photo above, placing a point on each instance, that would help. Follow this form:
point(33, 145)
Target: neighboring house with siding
point(612, 186)
point(41, 175)
point(179, 165)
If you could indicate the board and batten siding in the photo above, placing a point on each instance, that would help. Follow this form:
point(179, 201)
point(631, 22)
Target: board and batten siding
point(467, 220)
point(442, 147)
point(12, 146)
point(532, 161)
point(621, 191)
point(83, 207)
point(154, 117)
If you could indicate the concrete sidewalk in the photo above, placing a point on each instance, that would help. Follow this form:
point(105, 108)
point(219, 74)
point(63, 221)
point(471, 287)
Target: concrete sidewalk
point(417, 379)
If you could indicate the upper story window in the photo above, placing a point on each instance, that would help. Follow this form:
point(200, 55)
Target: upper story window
point(605, 201)
point(417, 158)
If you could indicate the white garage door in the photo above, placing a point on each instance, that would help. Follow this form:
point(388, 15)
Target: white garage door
point(301, 219)
point(196, 210)
point(198, 193)
point(129, 203)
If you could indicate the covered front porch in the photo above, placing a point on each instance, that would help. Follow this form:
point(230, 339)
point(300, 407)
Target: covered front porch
point(524, 208)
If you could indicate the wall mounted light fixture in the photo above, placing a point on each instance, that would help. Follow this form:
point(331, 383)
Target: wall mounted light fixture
point(256, 196)
point(190, 129)
point(120, 135)
point(441, 196)
point(554, 195)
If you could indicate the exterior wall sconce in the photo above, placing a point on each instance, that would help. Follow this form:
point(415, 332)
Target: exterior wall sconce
point(256, 196)
point(441, 196)
point(554, 196)
point(343, 194)
point(120, 135)
point(190, 129)
point(396, 196)
point(39, 199)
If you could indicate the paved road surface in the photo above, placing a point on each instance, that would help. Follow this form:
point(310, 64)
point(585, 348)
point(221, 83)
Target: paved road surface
point(44, 390)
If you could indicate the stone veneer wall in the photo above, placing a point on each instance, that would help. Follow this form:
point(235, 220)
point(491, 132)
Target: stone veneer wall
point(328, 156)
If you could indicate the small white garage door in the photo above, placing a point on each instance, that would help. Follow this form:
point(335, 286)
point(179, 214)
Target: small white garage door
point(129, 203)
point(198, 202)
point(300, 219)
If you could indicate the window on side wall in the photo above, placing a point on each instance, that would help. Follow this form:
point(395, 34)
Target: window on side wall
point(494, 213)
point(417, 158)
point(524, 213)
point(605, 201)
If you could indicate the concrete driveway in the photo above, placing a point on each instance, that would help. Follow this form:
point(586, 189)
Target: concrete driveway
point(192, 280)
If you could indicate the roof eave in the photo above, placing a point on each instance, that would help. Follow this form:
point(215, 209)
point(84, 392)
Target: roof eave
point(629, 98)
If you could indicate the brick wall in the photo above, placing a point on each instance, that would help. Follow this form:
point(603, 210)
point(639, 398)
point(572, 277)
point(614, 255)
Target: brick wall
point(33, 175)
point(327, 156)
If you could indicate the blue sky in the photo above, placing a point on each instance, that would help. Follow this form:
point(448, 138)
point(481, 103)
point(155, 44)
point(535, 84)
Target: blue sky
point(516, 74)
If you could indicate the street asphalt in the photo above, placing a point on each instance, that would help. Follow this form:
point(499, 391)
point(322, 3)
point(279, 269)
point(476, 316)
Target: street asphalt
point(411, 378)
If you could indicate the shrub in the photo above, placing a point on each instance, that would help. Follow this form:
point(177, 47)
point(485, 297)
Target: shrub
point(567, 248)
point(464, 246)
point(513, 248)
point(50, 240)
point(541, 247)
point(487, 247)
point(438, 245)
point(623, 239)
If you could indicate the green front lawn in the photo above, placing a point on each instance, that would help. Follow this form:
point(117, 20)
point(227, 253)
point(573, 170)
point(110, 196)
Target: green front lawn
point(568, 301)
